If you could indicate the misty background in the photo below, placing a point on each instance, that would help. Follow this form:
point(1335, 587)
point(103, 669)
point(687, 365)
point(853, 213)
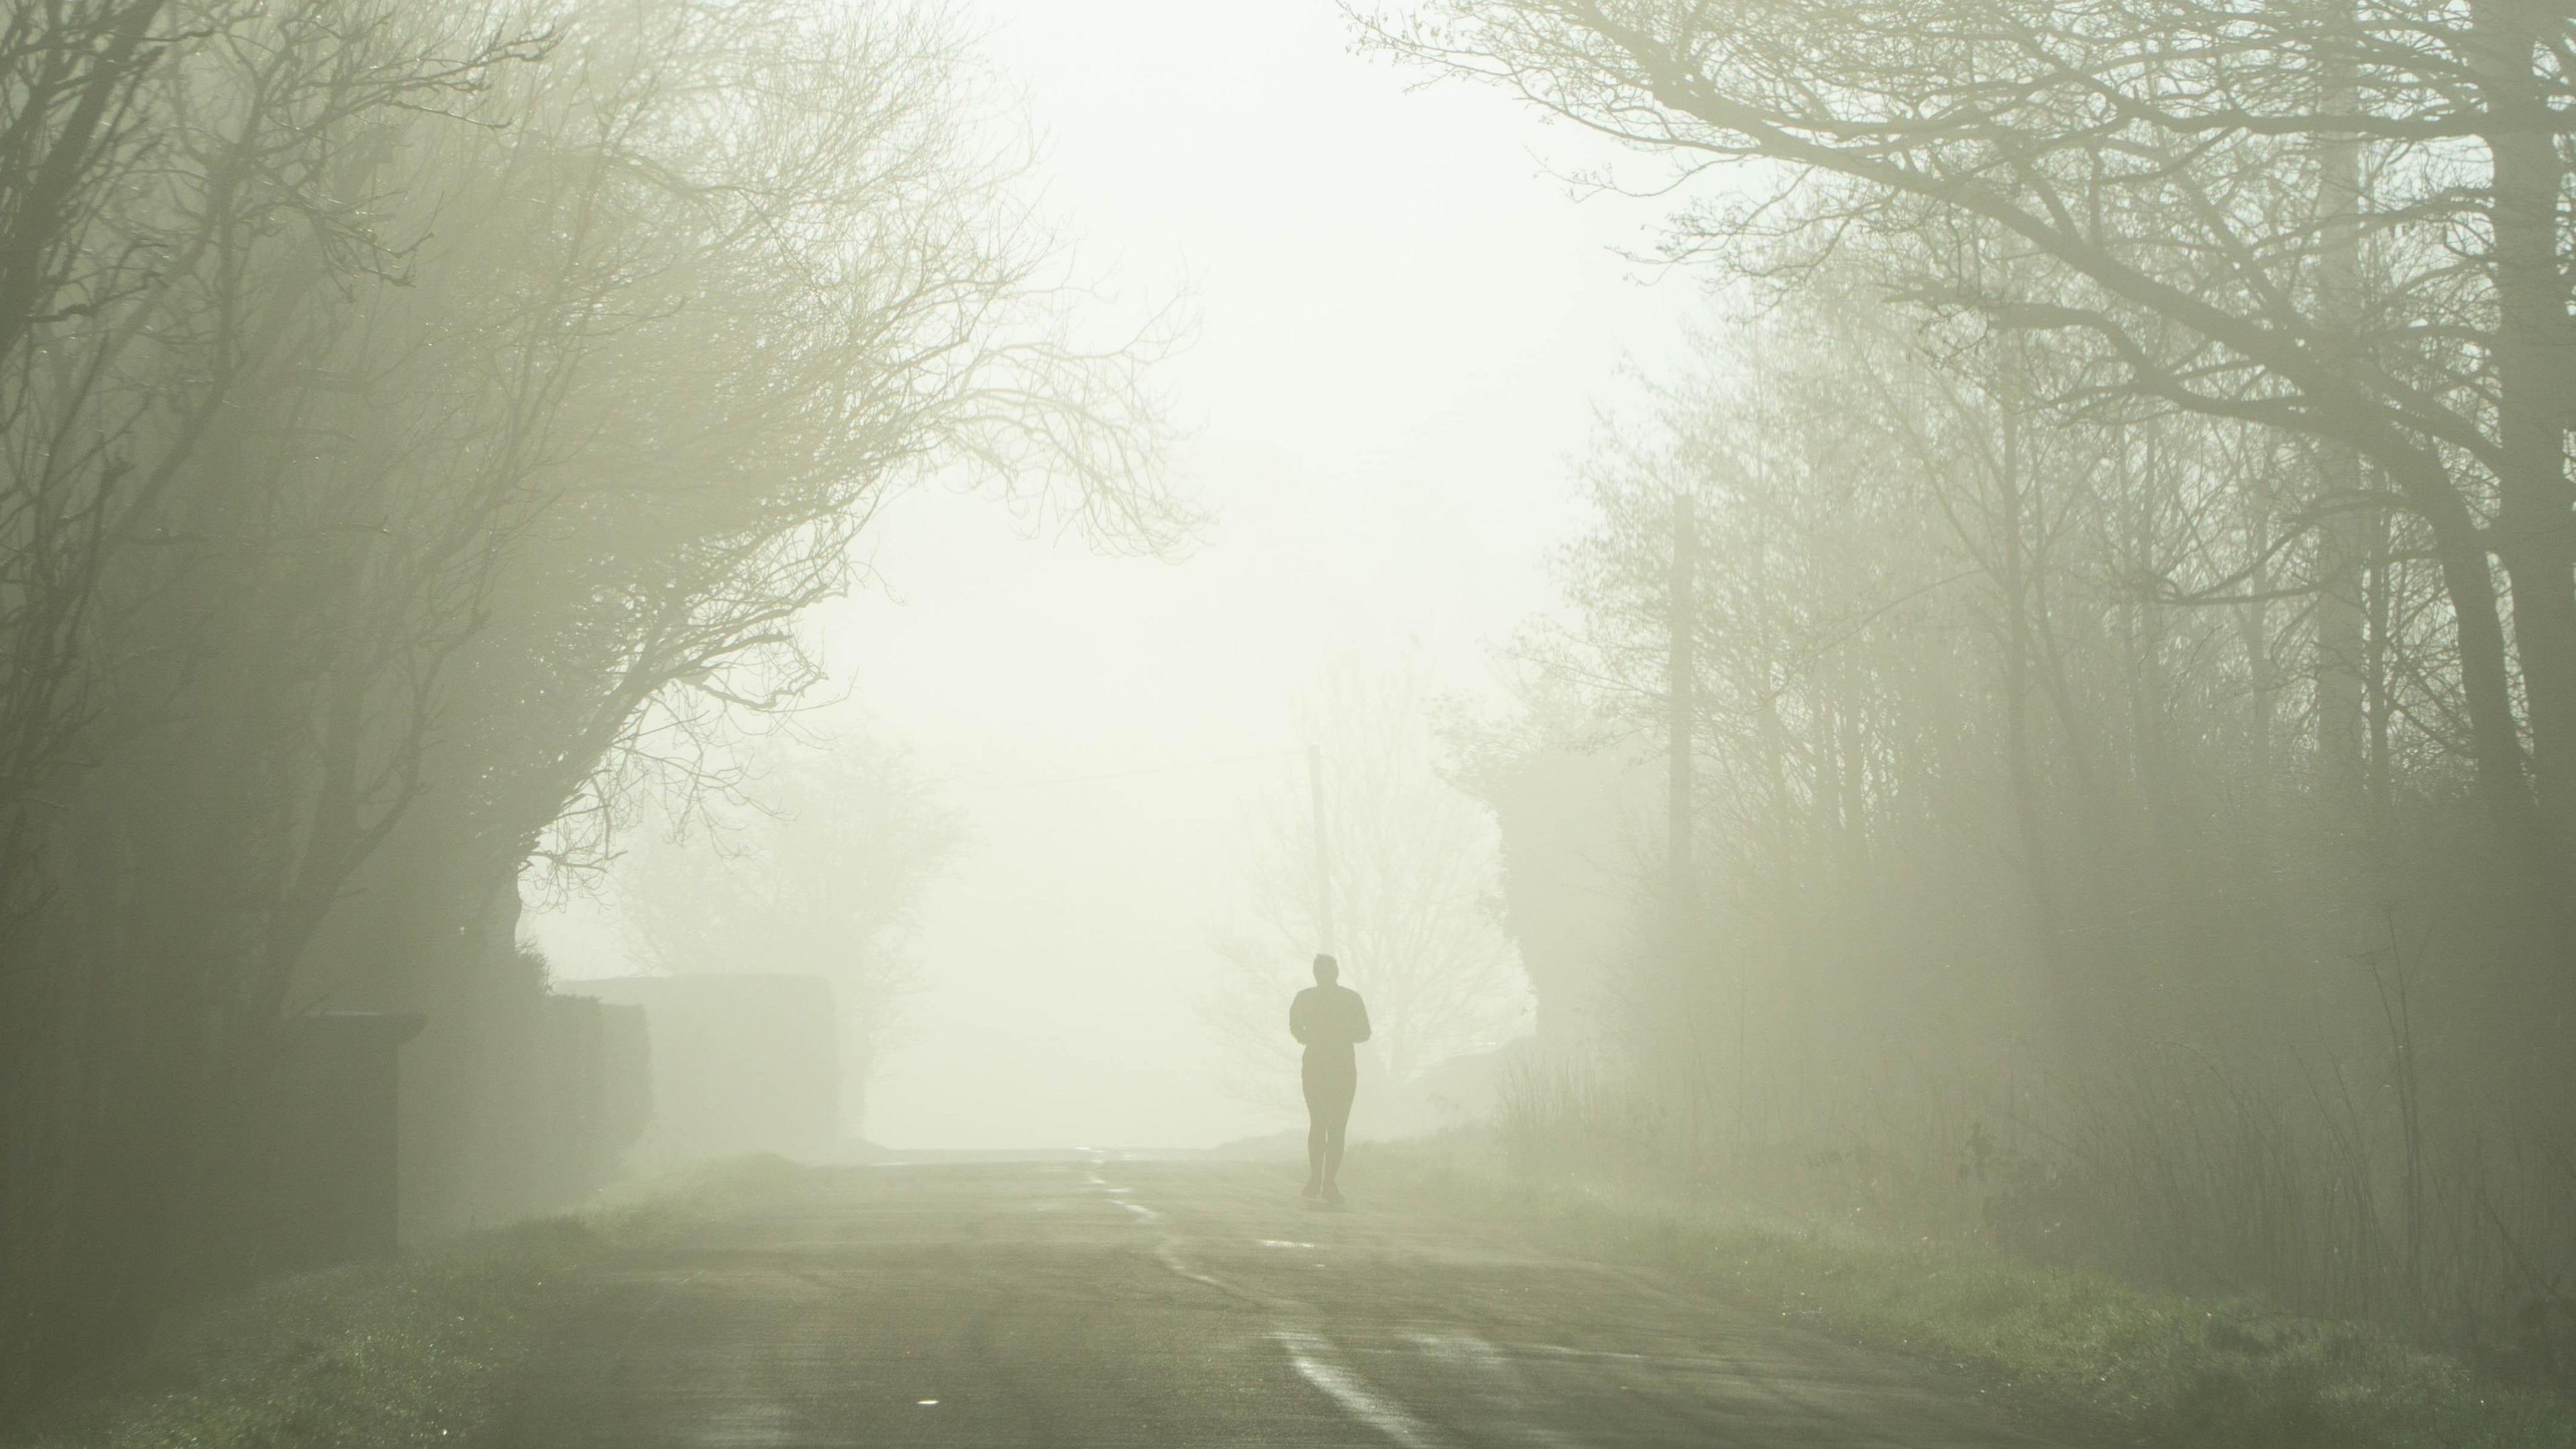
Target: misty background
point(1988, 653)
point(1402, 332)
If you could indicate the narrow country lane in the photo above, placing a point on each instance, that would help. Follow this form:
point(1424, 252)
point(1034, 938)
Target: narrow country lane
point(1117, 1302)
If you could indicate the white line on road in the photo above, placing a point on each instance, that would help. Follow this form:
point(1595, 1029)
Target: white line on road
point(1171, 1258)
point(1315, 1360)
point(1312, 1357)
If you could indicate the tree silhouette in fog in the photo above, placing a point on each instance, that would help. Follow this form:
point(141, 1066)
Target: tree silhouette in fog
point(2136, 623)
point(422, 429)
point(819, 870)
point(1412, 861)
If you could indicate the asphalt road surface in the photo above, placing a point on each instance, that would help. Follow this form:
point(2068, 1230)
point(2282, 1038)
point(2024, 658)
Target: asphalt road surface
point(1114, 1302)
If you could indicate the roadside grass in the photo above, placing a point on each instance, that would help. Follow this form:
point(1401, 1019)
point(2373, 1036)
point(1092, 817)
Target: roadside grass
point(2080, 1355)
point(411, 1352)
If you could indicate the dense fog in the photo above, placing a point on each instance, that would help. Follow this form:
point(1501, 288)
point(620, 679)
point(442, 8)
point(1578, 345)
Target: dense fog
point(1072, 945)
point(1958, 619)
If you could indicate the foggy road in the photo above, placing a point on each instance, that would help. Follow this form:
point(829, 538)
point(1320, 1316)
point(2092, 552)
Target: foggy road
point(1112, 1302)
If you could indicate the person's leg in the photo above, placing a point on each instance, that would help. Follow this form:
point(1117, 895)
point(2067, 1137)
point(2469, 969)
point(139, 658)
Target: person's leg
point(1316, 1133)
point(1336, 1120)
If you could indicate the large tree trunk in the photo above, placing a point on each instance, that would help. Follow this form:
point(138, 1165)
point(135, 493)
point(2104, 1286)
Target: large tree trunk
point(2343, 545)
point(2535, 529)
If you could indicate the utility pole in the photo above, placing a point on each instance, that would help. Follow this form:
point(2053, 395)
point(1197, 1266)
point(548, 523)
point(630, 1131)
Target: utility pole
point(1323, 858)
point(1681, 699)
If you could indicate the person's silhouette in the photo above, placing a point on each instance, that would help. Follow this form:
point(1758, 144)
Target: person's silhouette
point(1330, 1020)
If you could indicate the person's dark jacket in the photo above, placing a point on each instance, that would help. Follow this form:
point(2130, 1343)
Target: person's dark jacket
point(1329, 1020)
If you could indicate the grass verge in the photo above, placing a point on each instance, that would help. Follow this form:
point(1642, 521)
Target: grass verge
point(2081, 1354)
point(405, 1354)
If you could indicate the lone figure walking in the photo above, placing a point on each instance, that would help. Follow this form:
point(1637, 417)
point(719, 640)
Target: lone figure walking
point(1330, 1020)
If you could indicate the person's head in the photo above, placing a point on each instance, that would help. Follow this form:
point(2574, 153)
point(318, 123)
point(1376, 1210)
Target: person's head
point(1327, 970)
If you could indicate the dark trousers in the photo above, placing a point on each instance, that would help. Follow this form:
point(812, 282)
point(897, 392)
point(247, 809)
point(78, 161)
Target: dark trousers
point(1332, 1080)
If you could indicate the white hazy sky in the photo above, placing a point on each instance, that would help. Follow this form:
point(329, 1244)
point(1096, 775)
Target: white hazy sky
point(1405, 324)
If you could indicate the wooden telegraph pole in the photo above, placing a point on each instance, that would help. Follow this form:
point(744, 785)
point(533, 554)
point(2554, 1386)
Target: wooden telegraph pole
point(1323, 859)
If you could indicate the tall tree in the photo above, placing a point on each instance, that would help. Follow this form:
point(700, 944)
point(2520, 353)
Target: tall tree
point(443, 433)
point(2162, 166)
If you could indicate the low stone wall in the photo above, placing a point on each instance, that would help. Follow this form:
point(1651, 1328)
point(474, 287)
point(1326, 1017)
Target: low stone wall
point(740, 1063)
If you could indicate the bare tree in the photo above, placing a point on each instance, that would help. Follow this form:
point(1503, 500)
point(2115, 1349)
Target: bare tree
point(2161, 166)
point(425, 457)
point(2006, 810)
point(820, 872)
point(1412, 880)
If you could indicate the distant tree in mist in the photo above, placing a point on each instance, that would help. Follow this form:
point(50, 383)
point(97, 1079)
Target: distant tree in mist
point(1415, 918)
point(1576, 796)
point(819, 871)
